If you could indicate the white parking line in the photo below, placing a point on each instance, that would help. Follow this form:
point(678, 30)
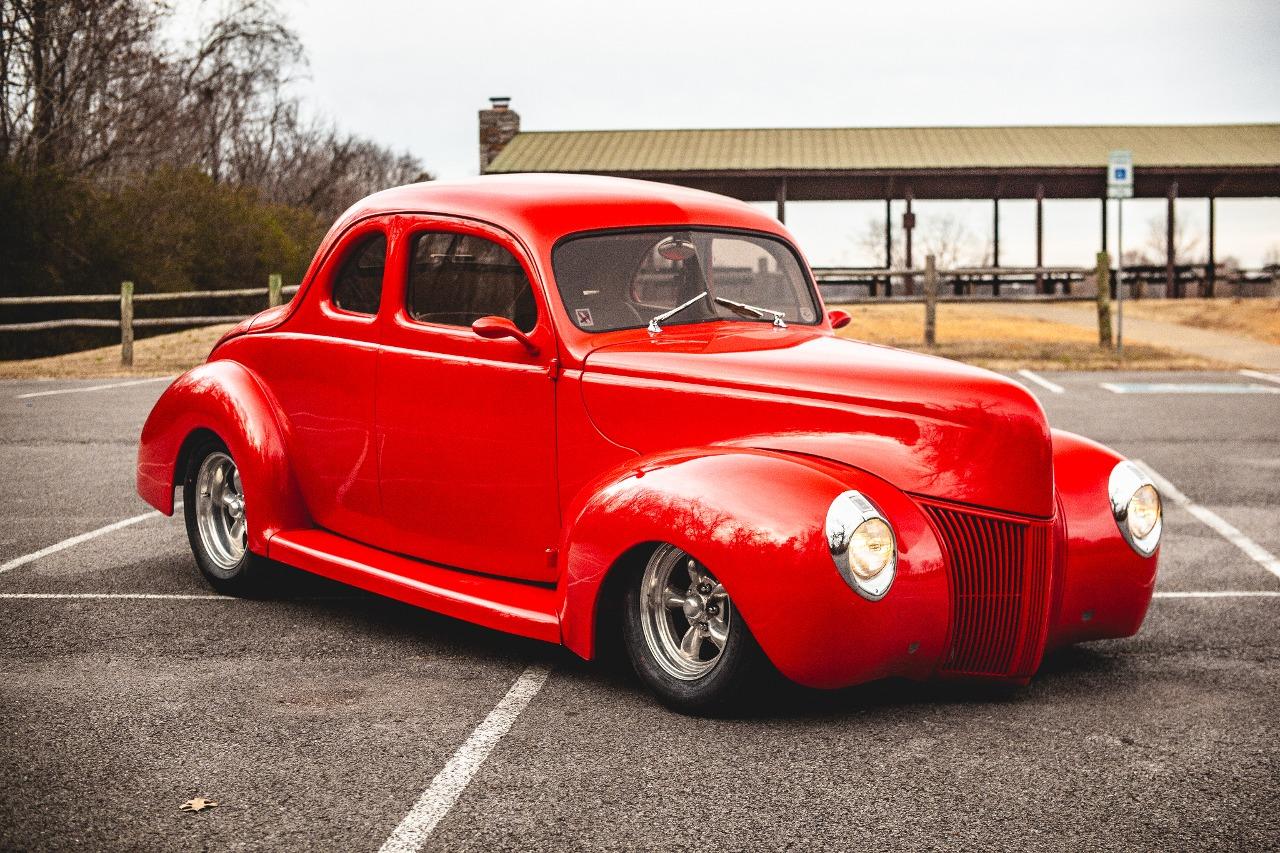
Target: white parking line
point(74, 540)
point(149, 596)
point(1252, 549)
point(1042, 382)
point(1258, 374)
point(94, 387)
point(450, 782)
point(1187, 388)
point(1222, 593)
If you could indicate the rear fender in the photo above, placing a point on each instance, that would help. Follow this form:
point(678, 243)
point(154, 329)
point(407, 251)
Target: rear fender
point(225, 399)
point(757, 520)
point(1106, 586)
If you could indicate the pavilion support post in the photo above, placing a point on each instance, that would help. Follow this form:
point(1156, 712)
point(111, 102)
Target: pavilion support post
point(1039, 238)
point(1104, 232)
point(888, 234)
point(1172, 286)
point(782, 201)
point(995, 244)
point(1211, 270)
point(1104, 224)
point(908, 225)
point(888, 246)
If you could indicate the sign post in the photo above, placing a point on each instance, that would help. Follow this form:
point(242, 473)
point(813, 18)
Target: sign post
point(1120, 187)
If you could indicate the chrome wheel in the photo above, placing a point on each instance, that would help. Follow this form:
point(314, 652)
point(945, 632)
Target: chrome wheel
point(684, 612)
point(219, 513)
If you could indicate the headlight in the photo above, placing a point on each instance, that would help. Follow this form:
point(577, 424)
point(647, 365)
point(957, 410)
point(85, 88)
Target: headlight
point(1135, 503)
point(862, 545)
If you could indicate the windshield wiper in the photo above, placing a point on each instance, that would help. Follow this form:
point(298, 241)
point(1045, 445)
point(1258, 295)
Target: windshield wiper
point(655, 325)
point(742, 309)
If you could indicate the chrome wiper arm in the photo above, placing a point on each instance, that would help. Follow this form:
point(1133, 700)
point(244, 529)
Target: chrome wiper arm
point(752, 311)
point(655, 325)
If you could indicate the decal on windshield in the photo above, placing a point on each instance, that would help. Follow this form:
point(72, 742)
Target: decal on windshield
point(583, 316)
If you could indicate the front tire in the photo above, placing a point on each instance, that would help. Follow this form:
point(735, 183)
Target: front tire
point(684, 637)
point(217, 527)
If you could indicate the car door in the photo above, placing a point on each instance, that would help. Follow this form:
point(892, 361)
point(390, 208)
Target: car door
point(465, 424)
point(320, 368)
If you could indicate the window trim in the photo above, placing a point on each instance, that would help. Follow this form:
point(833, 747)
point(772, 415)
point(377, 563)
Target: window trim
point(468, 228)
point(805, 272)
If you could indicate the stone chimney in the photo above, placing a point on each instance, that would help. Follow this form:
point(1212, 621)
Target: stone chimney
point(498, 125)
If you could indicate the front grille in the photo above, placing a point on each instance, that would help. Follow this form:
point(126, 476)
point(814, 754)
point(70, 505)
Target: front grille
point(999, 577)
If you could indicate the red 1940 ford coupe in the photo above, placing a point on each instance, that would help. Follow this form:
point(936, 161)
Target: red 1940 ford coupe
point(575, 408)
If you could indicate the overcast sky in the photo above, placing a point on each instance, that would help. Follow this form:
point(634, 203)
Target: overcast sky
point(413, 75)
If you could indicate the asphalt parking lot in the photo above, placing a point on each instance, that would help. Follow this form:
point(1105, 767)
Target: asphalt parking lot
point(318, 717)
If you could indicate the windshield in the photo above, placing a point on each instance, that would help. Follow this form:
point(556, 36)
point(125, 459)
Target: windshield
point(623, 279)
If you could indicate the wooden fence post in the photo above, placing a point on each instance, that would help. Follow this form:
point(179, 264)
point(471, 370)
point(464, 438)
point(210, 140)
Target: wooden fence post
point(126, 323)
point(273, 290)
point(930, 301)
point(1103, 276)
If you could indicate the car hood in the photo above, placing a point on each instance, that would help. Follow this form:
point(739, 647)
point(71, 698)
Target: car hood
point(930, 426)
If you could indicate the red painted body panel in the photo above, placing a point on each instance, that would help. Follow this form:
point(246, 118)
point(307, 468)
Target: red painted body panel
point(757, 517)
point(517, 608)
point(224, 398)
point(930, 425)
point(478, 478)
point(466, 435)
point(1106, 586)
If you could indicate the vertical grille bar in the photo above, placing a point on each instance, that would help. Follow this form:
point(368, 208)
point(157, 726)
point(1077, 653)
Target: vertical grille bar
point(999, 571)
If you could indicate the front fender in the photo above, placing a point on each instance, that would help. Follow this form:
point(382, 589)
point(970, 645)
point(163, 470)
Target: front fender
point(223, 397)
point(756, 520)
point(1106, 586)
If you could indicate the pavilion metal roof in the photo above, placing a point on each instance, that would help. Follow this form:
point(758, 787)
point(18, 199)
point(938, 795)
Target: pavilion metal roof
point(939, 162)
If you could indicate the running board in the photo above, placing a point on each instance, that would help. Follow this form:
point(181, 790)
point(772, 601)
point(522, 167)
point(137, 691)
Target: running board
point(517, 608)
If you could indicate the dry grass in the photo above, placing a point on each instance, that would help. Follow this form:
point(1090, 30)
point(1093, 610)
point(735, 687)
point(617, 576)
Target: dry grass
point(981, 335)
point(1254, 318)
point(161, 355)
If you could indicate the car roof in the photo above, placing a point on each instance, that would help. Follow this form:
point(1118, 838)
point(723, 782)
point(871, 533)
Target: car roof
point(544, 207)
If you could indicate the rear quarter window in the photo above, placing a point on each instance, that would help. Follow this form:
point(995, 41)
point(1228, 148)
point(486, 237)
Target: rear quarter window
point(357, 286)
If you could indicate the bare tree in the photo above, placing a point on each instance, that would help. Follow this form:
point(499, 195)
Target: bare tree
point(945, 236)
point(78, 81)
point(871, 242)
point(89, 88)
point(1186, 245)
point(949, 240)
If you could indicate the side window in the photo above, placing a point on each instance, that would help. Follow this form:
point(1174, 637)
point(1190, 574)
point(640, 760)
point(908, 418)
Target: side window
point(358, 285)
point(455, 279)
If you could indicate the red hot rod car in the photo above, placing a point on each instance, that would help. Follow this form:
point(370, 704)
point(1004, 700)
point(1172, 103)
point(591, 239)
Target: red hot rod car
point(576, 408)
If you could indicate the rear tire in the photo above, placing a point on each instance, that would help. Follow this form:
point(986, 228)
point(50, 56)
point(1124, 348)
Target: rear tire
point(217, 526)
point(685, 639)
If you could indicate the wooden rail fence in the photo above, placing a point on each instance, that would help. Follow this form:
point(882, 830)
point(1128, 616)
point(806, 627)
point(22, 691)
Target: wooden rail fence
point(274, 291)
point(977, 284)
point(964, 281)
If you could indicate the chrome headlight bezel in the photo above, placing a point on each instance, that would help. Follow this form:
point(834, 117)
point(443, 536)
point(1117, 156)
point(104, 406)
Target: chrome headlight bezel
point(1123, 485)
point(849, 511)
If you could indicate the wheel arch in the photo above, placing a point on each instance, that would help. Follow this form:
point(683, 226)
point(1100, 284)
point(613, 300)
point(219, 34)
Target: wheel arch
point(223, 400)
point(698, 501)
point(189, 444)
point(606, 625)
point(1107, 586)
